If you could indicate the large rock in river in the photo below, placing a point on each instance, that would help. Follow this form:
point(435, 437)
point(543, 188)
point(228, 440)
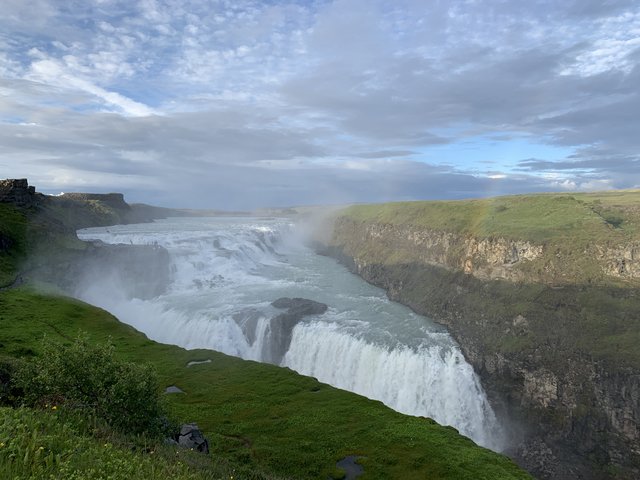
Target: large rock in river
point(281, 326)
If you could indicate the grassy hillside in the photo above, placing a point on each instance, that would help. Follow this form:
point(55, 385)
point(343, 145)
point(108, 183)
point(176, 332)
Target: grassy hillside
point(30, 234)
point(587, 238)
point(62, 445)
point(542, 218)
point(260, 417)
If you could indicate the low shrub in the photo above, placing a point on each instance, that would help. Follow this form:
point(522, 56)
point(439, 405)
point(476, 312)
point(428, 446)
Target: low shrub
point(85, 376)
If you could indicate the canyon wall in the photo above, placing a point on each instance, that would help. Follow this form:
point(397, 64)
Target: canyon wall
point(552, 332)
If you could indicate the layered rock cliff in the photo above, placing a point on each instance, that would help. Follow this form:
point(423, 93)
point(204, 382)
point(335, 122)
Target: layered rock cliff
point(38, 242)
point(550, 326)
point(18, 192)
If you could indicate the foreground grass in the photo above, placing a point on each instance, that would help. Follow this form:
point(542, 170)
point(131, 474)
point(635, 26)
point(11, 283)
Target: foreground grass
point(260, 417)
point(63, 445)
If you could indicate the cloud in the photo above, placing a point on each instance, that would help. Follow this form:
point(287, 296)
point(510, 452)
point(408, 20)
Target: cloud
point(259, 103)
point(386, 154)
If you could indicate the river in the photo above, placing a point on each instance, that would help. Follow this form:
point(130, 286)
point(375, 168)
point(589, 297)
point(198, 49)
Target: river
point(227, 271)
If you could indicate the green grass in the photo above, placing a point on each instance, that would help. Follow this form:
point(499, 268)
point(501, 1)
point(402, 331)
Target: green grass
point(575, 231)
point(260, 417)
point(537, 218)
point(63, 445)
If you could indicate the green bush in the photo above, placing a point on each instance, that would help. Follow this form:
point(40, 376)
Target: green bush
point(86, 376)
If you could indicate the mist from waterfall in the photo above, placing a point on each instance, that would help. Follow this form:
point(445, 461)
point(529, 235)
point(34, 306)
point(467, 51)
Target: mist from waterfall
point(226, 273)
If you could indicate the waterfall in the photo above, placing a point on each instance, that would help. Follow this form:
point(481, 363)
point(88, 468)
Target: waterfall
point(228, 271)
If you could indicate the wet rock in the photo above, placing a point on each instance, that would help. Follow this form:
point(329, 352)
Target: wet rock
point(300, 306)
point(247, 320)
point(281, 326)
point(173, 389)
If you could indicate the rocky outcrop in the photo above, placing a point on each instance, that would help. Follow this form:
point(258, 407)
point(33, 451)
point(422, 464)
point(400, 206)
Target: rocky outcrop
point(483, 258)
point(297, 308)
point(281, 326)
point(140, 271)
point(622, 261)
point(494, 258)
point(543, 351)
point(18, 192)
point(191, 437)
point(113, 200)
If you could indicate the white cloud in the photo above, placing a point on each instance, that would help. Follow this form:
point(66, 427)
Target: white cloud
point(52, 72)
point(289, 95)
point(610, 46)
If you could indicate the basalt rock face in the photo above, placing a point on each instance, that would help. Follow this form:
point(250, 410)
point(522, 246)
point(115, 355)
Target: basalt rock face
point(138, 271)
point(495, 258)
point(483, 258)
point(280, 327)
point(18, 192)
point(544, 351)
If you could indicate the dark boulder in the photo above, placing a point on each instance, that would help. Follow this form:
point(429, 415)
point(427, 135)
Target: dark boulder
point(300, 306)
point(173, 389)
point(191, 437)
point(281, 326)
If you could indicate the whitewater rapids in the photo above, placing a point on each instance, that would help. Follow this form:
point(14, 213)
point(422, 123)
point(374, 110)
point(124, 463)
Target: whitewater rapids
point(226, 273)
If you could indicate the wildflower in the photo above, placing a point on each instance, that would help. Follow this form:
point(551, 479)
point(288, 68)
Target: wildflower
point(54, 407)
point(41, 448)
point(1, 444)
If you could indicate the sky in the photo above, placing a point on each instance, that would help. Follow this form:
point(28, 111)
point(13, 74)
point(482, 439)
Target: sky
point(238, 104)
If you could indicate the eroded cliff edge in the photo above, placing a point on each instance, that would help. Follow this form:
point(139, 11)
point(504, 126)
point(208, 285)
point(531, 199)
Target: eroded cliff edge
point(38, 242)
point(542, 294)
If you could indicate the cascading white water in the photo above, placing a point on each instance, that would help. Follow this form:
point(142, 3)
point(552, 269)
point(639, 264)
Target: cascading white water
point(227, 271)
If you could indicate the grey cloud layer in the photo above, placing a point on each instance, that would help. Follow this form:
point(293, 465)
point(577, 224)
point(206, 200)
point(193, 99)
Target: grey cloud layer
point(265, 103)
